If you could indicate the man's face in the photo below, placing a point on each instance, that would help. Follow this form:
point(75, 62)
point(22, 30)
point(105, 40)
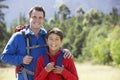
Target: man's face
point(36, 19)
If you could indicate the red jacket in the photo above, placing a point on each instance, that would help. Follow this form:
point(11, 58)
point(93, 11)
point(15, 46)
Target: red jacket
point(69, 72)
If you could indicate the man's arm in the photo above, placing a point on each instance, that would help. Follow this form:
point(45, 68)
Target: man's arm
point(9, 55)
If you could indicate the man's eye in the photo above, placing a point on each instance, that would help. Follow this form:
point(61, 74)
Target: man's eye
point(33, 17)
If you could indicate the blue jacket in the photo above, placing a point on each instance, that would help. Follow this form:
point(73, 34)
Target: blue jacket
point(15, 50)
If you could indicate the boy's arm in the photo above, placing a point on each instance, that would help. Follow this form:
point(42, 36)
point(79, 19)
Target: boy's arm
point(70, 73)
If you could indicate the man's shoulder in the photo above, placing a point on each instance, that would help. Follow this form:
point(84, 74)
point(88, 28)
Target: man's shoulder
point(18, 36)
point(43, 30)
point(18, 33)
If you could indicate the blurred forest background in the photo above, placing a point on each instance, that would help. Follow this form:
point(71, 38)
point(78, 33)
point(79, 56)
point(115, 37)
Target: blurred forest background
point(90, 36)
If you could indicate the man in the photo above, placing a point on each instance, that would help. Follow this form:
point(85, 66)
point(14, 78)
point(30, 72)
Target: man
point(15, 50)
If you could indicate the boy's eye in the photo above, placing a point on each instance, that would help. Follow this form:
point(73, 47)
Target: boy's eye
point(57, 39)
point(50, 39)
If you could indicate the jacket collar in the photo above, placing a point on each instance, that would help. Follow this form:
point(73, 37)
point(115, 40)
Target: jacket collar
point(28, 31)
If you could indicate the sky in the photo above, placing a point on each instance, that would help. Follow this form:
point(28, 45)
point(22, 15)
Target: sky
point(22, 6)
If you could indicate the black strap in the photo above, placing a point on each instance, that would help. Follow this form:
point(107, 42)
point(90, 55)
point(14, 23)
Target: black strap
point(28, 43)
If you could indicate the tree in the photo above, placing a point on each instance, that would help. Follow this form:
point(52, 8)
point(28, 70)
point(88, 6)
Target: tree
point(79, 12)
point(16, 22)
point(63, 11)
point(3, 30)
point(114, 16)
point(2, 24)
point(92, 17)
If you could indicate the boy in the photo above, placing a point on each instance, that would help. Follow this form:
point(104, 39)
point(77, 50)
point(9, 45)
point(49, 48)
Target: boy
point(52, 71)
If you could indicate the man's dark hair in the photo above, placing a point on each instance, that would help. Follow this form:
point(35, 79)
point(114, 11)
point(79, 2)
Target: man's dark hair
point(38, 8)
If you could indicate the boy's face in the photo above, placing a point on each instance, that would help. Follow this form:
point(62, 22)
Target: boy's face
point(54, 42)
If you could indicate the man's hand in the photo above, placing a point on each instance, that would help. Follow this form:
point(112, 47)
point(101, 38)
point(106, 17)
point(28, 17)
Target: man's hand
point(27, 59)
point(58, 69)
point(67, 53)
point(50, 66)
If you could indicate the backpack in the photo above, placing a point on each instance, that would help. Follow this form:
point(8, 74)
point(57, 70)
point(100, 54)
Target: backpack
point(19, 28)
point(27, 38)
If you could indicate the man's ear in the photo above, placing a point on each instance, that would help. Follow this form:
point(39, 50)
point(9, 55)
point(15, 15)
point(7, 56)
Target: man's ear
point(28, 18)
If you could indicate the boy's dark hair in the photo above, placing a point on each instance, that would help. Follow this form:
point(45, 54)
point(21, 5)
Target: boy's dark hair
point(38, 8)
point(55, 31)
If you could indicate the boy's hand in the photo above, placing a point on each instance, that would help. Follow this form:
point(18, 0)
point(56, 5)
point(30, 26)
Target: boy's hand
point(50, 66)
point(58, 69)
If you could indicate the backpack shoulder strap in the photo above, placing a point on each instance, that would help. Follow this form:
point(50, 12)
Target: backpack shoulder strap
point(27, 38)
point(58, 61)
point(46, 58)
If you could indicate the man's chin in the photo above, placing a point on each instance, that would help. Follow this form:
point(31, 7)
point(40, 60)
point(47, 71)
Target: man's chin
point(37, 27)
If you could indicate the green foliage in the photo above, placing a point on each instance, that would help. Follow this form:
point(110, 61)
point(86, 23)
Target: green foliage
point(92, 17)
point(3, 29)
point(115, 45)
point(63, 11)
point(93, 39)
point(79, 14)
point(114, 16)
point(67, 44)
point(16, 22)
point(116, 52)
point(101, 52)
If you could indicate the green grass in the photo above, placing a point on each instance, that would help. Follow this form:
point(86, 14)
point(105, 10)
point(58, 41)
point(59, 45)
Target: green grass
point(86, 71)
